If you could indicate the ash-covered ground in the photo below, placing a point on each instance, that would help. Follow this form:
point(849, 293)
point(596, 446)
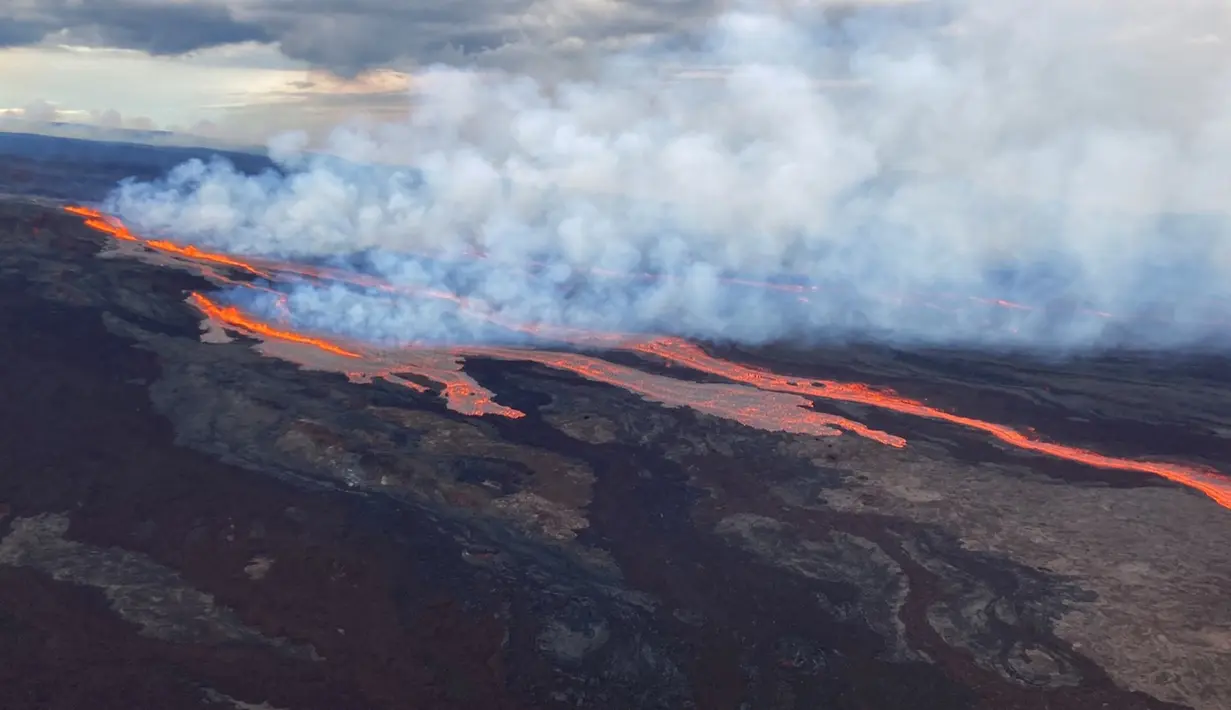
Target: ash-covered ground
point(191, 524)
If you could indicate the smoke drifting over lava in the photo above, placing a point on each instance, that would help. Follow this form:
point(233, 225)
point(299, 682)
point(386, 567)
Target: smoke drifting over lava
point(1035, 173)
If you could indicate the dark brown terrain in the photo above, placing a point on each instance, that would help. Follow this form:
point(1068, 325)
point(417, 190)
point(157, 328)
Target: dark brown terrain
point(189, 524)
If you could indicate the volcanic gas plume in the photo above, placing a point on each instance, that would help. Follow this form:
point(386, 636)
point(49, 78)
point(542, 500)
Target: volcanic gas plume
point(1066, 156)
point(755, 397)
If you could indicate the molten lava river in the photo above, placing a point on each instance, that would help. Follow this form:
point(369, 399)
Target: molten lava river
point(752, 396)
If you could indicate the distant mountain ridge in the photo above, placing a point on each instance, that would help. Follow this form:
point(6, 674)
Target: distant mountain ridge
point(34, 165)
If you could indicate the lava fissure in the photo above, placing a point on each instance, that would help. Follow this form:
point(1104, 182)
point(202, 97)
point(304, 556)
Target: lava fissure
point(757, 397)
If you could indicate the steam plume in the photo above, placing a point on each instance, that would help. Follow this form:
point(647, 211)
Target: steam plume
point(1072, 156)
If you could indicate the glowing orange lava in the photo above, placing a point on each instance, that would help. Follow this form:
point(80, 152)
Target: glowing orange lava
point(234, 317)
point(771, 411)
point(752, 407)
point(759, 398)
point(112, 226)
point(681, 352)
point(460, 392)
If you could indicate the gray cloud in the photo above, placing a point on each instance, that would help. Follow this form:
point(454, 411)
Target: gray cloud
point(164, 28)
point(348, 36)
point(16, 32)
point(155, 27)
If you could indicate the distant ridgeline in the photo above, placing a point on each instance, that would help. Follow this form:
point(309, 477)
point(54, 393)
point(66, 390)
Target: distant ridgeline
point(81, 169)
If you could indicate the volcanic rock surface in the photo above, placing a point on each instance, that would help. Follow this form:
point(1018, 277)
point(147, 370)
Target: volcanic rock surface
point(194, 524)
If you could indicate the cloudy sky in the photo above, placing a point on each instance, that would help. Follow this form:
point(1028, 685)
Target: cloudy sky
point(247, 69)
point(243, 68)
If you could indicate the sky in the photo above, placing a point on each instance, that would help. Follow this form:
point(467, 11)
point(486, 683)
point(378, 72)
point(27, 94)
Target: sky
point(246, 71)
point(249, 69)
point(242, 92)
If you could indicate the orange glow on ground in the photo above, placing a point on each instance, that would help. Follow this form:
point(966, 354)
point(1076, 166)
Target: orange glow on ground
point(192, 252)
point(684, 353)
point(459, 391)
point(751, 406)
point(759, 398)
point(766, 410)
point(232, 316)
point(112, 226)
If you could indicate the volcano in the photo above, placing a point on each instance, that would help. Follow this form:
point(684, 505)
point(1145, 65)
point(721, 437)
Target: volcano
point(211, 501)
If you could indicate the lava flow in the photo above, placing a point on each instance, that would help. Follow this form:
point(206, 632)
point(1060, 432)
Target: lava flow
point(232, 316)
point(760, 409)
point(758, 397)
point(681, 352)
point(767, 410)
point(110, 225)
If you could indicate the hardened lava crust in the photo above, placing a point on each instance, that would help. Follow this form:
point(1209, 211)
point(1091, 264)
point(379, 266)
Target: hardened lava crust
point(194, 524)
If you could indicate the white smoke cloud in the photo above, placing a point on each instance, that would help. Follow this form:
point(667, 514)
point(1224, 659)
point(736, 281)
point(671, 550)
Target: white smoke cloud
point(40, 110)
point(1071, 155)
